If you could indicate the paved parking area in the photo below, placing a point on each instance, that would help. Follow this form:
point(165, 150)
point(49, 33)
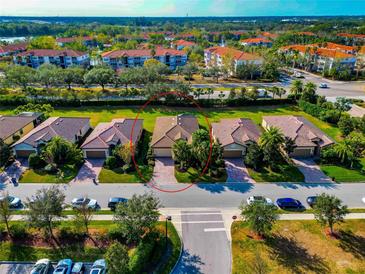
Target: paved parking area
point(202, 229)
point(311, 171)
point(89, 171)
point(26, 267)
point(236, 171)
point(164, 171)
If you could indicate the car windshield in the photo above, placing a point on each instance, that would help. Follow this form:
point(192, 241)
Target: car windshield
point(10, 198)
point(95, 271)
point(87, 201)
point(258, 198)
point(39, 267)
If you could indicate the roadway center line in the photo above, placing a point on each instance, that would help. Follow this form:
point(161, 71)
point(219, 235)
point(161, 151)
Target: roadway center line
point(214, 229)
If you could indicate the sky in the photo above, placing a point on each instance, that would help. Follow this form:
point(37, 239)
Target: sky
point(181, 7)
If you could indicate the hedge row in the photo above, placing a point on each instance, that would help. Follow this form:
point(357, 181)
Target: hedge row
point(6, 100)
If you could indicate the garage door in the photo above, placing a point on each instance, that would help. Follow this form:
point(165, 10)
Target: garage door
point(162, 152)
point(301, 152)
point(95, 154)
point(23, 153)
point(232, 153)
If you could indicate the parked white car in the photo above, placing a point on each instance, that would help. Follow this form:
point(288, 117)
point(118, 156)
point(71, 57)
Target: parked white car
point(84, 201)
point(363, 199)
point(323, 85)
point(42, 266)
point(99, 267)
point(14, 202)
point(260, 199)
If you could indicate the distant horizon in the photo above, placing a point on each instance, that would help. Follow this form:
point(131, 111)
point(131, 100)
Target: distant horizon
point(180, 8)
point(202, 16)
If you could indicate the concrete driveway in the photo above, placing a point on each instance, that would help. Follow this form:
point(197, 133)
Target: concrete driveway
point(237, 171)
point(164, 171)
point(89, 171)
point(311, 171)
point(206, 246)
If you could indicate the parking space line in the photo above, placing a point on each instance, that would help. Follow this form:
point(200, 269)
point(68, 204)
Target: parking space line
point(214, 229)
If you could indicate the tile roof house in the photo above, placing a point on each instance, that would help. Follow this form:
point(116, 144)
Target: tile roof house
point(13, 49)
point(71, 129)
point(63, 58)
point(181, 44)
point(119, 59)
point(309, 140)
point(105, 136)
point(235, 135)
point(214, 57)
point(12, 128)
point(170, 129)
point(263, 42)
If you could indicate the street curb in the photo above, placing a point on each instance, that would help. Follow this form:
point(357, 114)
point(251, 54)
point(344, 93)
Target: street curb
point(181, 252)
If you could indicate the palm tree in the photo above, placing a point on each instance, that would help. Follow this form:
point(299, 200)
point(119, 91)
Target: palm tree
point(296, 88)
point(273, 137)
point(182, 153)
point(345, 151)
point(310, 88)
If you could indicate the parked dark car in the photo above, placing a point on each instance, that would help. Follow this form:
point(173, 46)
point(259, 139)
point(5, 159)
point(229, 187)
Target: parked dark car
point(311, 200)
point(289, 203)
point(114, 201)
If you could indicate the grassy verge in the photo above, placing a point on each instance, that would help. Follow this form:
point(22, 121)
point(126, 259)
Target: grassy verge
point(343, 174)
point(108, 176)
point(40, 176)
point(300, 247)
point(192, 176)
point(106, 114)
point(287, 173)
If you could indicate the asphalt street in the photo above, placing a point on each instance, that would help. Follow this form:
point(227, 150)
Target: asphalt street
point(225, 195)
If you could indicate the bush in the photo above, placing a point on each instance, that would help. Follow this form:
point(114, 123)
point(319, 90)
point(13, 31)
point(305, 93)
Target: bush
point(329, 156)
point(35, 161)
point(116, 233)
point(19, 231)
point(70, 233)
point(143, 253)
point(111, 162)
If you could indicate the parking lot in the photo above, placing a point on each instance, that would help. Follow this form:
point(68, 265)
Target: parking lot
point(26, 267)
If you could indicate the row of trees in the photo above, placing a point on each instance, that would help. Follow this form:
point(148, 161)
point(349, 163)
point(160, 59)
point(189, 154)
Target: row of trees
point(135, 221)
point(261, 217)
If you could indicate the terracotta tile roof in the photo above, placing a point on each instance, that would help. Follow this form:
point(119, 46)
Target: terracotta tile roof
point(141, 52)
point(73, 39)
point(255, 40)
point(270, 35)
point(315, 49)
point(66, 127)
point(170, 129)
point(239, 131)
point(330, 45)
point(52, 52)
point(303, 132)
point(350, 35)
point(308, 33)
point(13, 47)
point(237, 54)
point(12, 124)
point(184, 43)
point(116, 131)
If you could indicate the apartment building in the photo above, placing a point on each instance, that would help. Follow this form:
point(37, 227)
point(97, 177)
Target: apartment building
point(323, 57)
point(62, 58)
point(119, 59)
point(13, 49)
point(214, 56)
point(262, 42)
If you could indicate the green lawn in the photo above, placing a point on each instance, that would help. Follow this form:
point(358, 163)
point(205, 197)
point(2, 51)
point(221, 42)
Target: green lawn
point(117, 175)
point(192, 176)
point(299, 247)
point(288, 173)
point(343, 174)
point(40, 176)
point(105, 114)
